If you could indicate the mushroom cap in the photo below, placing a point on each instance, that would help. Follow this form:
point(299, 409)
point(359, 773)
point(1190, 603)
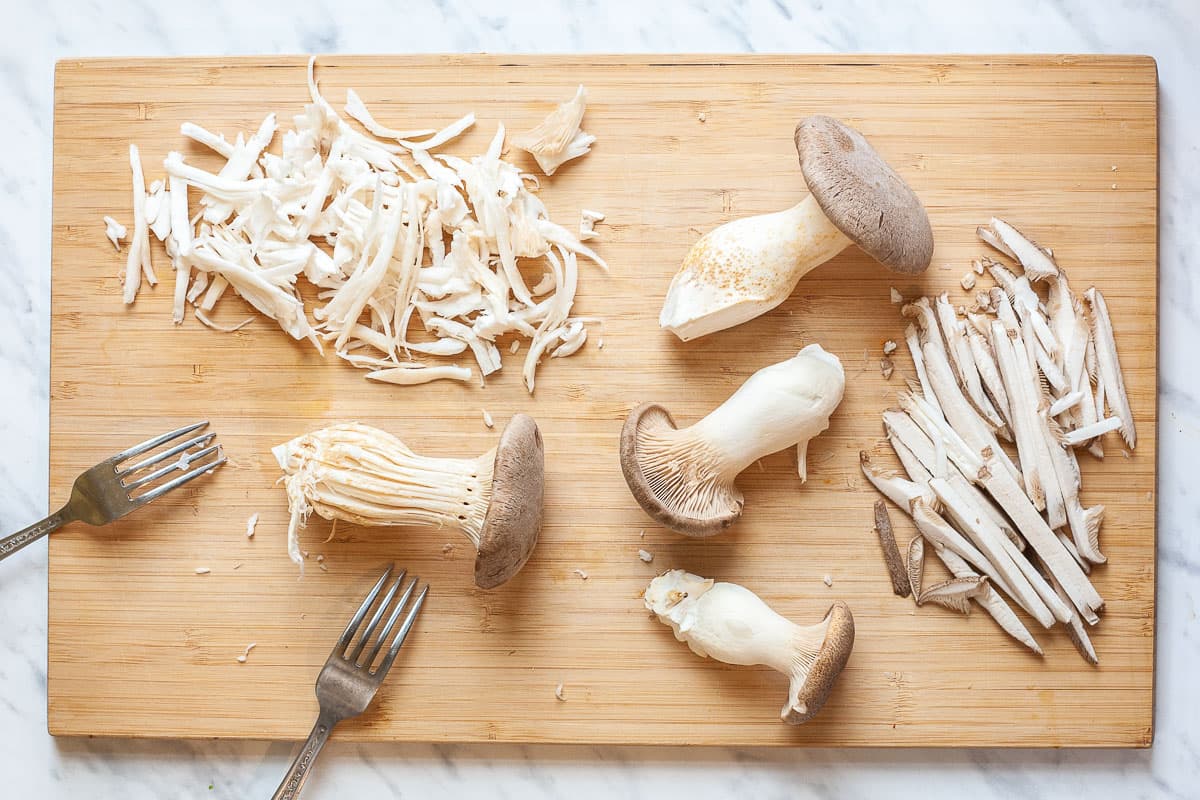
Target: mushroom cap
point(863, 196)
point(726, 506)
point(831, 659)
point(514, 515)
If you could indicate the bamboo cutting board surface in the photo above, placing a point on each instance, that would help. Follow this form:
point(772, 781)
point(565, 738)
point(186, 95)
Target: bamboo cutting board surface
point(139, 645)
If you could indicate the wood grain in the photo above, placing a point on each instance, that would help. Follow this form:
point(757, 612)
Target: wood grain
point(1063, 147)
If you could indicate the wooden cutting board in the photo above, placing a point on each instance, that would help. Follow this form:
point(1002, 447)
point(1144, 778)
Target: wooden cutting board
point(139, 645)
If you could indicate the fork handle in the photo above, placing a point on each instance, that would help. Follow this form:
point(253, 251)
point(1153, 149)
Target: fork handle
point(11, 544)
point(293, 782)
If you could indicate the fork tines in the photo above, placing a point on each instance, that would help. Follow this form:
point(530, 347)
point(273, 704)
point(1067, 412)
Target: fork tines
point(394, 630)
point(192, 457)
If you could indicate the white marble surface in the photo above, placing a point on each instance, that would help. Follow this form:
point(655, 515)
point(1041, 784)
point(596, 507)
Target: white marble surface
point(37, 32)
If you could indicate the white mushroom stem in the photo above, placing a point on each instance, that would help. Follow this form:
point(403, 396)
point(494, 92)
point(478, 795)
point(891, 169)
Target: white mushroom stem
point(1084, 522)
point(992, 542)
point(1088, 432)
point(1110, 367)
point(410, 376)
point(964, 419)
point(1024, 414)
point(963, 361)
point(1035, 261)
point(1037, 533)
point(914, 347)
point(746, 267)
point(990, 600)
point(785, 404)
point(942, 534)
point(367, 476)
point(137, 260)
point(900, 491)
point(989, 374)
point(1076, 630)
point(1065, 403)
point(729, 623)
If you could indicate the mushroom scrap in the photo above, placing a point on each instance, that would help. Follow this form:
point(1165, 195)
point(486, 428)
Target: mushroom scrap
point(746, 267)
point(1015, 366)
point(366, 476)
point(684, 477)
point(387, 232)
point(729, 623)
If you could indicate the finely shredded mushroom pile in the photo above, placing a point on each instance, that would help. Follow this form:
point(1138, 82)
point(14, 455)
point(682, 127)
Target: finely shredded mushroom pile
point(384, 229)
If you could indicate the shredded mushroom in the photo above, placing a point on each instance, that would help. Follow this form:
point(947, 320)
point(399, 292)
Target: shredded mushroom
point(389, 233)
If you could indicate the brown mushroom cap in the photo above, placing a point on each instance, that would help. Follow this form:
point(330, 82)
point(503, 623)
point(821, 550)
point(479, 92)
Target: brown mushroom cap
point(725, 511)
point(863, 196)
point(514, 515)
point(831, 659)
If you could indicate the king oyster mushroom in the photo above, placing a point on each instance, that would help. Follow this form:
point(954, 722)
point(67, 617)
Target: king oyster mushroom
point(367, 476)
point(730, 623)
point(746, 267)
point(684, 477)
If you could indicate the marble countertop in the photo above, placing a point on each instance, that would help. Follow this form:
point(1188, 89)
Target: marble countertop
point(38, 33)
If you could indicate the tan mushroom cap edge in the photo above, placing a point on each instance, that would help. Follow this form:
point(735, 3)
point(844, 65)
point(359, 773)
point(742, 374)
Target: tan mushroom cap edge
point(642, 492)
point(514, 515)
point(831, 659)
point(863, 196)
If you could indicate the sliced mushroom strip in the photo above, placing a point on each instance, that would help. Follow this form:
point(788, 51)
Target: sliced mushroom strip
point(1037, 600)
point(914, 347)
point(684, 477)
point(989, 374)
point(891, 552)
point(1024, 412)
point(963, 361)
point(1088, 432)
point(1109, 367)
point(991, 601)
point(914, 564)
point(1036, 262)
point(746, 267)
point(1084, 522)
point(366, 476)
point(729, 623)
point(900, 491)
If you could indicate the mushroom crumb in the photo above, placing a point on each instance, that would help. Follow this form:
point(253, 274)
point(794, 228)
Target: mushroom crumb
point(645, 555)
point(702, 116)
point(827, 580)
point(968, 281)
point(487, 419)
point(242, 658)
point(447, 549)
point(889, 347)
point(886, 367)
point(1114, 186)
point(323, 567)
point(1114, 167)
point(202, 570)
point(582, 574)
point(977, 267)
point(515, 346)
point(558, 692)
point(115, 231)
point(237, 565)
point(642, 535)
point(587, 224)
point(320, 557)
point(251, 524)
point(897, 298)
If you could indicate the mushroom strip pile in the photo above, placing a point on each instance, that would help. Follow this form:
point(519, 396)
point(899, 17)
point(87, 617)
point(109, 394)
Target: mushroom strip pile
point(1041, 372)
point(384, 229)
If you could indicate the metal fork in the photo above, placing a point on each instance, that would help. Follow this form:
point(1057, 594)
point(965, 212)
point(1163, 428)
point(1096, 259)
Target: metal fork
point(347, 684)
point(110, 490)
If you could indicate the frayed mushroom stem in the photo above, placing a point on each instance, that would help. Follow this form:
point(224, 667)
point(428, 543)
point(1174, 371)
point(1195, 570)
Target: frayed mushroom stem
point(344, 473)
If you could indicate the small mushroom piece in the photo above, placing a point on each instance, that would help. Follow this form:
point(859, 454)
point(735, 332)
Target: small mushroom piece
point(1036, 262)
point(557, 139)
point(729, 623)
point(684, 477)
point(955, 594)
point(746, 267)
point(915, 566)
point(368, 477)
point(1110, 367)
